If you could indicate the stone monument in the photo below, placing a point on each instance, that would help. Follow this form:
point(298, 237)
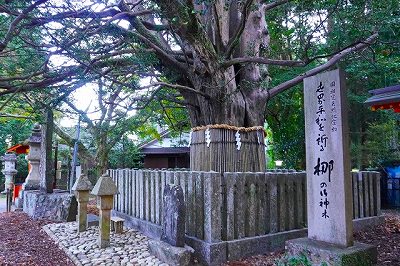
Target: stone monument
point(105, 189)
point(81, 189)
point(173, 230)
point(32, 181)
point(171, 248)
point(329, 191)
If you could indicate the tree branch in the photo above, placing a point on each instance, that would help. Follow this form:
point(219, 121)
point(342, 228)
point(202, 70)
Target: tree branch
point(70, 141)
point(272, 5)
point(179, 87)
point(112, 13)
point(80, 112)
point(16, 21)
point(235, 39)
point(163, 54)
point(290, 83)
point(14, 116)
point(263, 60)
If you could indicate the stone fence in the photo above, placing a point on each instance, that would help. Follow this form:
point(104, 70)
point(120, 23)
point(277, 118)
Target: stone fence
point(231, 215)
point(366, 194)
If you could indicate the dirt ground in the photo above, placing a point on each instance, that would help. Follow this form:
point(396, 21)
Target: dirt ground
point(386, 237)
point(23, 242)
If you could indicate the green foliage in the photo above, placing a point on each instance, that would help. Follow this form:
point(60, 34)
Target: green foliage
point(382, 143)
point(286, 120)
point(377, 67)
point(162, 112)
point(12, 132)
point(22, 168)
point(299, 260)
point(20, 59)
point(125, 154)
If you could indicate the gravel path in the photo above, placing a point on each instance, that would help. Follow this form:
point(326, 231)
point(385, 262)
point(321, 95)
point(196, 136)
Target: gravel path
point(129, 248)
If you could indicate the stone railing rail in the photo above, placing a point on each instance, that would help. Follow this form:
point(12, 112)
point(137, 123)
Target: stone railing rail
point(232, 207)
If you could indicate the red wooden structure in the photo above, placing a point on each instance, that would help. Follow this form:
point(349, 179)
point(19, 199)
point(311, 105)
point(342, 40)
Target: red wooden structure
point(385, 98)
point(19, 149)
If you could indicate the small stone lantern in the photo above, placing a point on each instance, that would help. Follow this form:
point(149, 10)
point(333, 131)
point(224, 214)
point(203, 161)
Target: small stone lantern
point(81, 190)
point(105, 190)
point(9, 170)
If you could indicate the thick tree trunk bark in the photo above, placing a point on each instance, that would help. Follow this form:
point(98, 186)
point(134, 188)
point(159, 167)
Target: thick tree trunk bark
point(102, 156)
point(230, 95)
point(236, 106)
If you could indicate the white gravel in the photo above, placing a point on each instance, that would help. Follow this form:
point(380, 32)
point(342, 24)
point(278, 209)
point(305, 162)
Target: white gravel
point(129, 248)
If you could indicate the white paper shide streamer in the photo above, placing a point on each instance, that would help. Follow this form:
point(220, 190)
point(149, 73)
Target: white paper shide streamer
point(238, 143)
point(208, 137)
point(190, 138)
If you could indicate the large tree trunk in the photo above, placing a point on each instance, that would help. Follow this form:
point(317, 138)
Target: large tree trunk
point(230, 95)
point(237, 107)
point(102, 154)
point(227, 150)
point(235, 97)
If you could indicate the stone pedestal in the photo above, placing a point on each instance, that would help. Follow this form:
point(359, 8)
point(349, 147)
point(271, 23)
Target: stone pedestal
point(180, 256)
point(105, 190)
point(82, 198)
point(81, 189)
point(322, 253)
point(59, 206)
point(32, 181)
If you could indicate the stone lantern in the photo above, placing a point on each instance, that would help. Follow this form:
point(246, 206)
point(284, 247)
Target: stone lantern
point(81, 189)
point(9, 170)
point(32, 181)
point(105, 190)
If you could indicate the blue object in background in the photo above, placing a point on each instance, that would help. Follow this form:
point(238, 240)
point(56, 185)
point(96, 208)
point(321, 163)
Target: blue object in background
point(393, 185)
point(393, 171)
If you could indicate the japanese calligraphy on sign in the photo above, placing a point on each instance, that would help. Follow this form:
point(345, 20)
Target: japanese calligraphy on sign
point(327, 156)
point(322, 142)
